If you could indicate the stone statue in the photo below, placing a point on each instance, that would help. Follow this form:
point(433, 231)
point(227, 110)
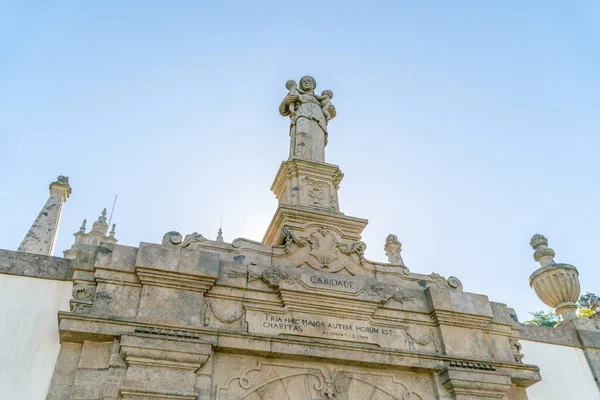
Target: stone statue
point(309, 115)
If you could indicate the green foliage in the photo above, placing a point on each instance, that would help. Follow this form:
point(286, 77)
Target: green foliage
point(584, 300)
point(541, 318)
point(549, 318)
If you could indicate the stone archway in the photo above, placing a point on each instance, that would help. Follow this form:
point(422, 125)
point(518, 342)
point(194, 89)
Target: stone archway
point(308, 386)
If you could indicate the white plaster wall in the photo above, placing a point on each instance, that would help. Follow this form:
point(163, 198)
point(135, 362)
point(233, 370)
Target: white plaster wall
point(29, 334)
point(565, 372)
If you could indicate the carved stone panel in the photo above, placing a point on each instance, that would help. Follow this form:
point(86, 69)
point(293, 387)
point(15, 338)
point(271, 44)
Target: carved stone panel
point(321, 248)
point(273, 323)
point(279, 380)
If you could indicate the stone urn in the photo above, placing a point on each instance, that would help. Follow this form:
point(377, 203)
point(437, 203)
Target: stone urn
point(556, 285)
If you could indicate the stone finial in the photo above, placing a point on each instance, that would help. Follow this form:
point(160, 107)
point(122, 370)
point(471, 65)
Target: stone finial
point(82, 228)
point(100, 226)
point(555, 284)
point(41, 237)
point(542, 254)
point(102, 217)
point(220, 236)
point(60, 187)
point(393, 248)
point(112, 231)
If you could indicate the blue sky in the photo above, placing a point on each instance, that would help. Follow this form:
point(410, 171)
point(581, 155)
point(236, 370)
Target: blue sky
point(463, 127)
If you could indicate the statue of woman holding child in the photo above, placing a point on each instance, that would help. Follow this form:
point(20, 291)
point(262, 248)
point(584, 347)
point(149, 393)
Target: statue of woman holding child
point(309, 114)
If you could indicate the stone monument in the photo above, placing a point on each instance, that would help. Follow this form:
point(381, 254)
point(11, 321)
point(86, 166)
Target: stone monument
point(302, 315)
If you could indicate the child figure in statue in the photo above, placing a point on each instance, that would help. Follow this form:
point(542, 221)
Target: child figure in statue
point(325, 100)
point(292, 86)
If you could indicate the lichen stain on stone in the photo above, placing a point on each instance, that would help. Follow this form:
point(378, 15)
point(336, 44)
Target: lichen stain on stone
point(239, 259)
point(423, 284)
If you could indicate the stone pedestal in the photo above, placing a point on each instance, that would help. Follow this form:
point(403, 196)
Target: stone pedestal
point(308, 197)
point(308, 183)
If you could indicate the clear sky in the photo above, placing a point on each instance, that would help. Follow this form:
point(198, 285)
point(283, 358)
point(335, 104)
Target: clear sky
point(463, 127)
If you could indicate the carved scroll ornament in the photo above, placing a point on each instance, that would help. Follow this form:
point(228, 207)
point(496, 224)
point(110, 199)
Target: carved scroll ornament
point(175, 239)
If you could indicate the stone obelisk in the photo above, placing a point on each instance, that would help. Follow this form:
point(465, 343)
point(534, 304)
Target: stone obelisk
point(41, 237)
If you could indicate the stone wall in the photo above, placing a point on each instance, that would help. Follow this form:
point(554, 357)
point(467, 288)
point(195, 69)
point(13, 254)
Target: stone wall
point(29, 333)
point(565, 372)
point(192, 318)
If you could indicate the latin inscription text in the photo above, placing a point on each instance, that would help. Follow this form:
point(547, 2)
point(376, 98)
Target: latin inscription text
point(348, 331)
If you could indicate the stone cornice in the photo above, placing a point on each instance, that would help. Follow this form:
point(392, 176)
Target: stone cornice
point(299, 217)
point(78, 328)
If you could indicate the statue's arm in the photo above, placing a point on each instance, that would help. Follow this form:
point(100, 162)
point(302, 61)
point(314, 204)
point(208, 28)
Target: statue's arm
point(284, 108)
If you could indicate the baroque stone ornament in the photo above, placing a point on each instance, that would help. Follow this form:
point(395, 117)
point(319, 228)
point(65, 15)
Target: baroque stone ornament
point(412, 342)
point(83, 291)
point(356, 247)
point(210, 312)
point(516, 346)
point(323, 247)
point(291, 239)
point(385, 292)
point(275, 275)
point(451, 283)
point(393, 248)
point(556, 285)
point(175, 239)
point(309, 115)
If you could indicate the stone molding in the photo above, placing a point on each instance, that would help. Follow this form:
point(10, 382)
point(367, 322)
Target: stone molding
point(79, 328)
point(181, 353)
point(467, 385)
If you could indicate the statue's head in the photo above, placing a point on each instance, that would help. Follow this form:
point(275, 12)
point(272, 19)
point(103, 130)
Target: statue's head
point(308, 83)
point(290, 84)
point(327, 93)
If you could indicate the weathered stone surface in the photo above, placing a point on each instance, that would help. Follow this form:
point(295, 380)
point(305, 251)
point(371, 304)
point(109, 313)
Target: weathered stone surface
point(64, 372)
point(35, 265)
point(41, 237)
